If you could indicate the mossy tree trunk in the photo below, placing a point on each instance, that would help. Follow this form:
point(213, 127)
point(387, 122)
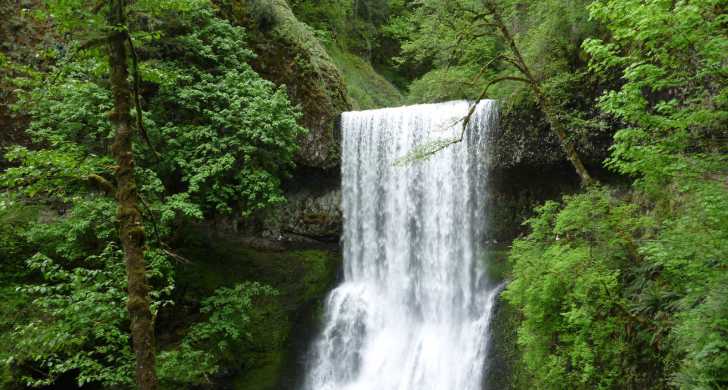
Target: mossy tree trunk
point(556, 125)
point(131, 229)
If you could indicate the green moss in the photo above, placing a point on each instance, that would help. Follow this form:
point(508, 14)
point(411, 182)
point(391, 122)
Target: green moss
point(505, 369)
point(496, 263)
point(299, 275)
point(263, 361)
point(302, 277)
point(365, 87)
point(318, 274)
point(504, 356)
point(269, 327)
point(265, 375)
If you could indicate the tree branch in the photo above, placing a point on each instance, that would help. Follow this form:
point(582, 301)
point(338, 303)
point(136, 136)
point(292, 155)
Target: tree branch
point(482, 96)
point(137, 102)
point(430, 148)
point(546, 107)
point(102, 183)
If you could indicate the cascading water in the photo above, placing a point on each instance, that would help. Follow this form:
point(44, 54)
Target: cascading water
point(413, 309)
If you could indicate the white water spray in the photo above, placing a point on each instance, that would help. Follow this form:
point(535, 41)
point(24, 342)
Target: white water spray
point(413, 310)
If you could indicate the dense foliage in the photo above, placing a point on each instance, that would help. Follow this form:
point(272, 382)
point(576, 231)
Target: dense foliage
point(626, 288)
point(210, 345)
point(220, 140)
point(227, 133)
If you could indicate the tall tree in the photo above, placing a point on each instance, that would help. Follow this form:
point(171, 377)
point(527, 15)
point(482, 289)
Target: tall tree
point(102, 187)
point(495, 22)
point(105, 24)
point(473, 40)
point(517, 61)
point(131, 228)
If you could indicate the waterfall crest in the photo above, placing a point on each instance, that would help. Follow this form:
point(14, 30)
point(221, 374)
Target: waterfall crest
point(413, 309)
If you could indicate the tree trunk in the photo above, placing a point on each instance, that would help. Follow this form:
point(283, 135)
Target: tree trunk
point(131, 229)
point(566, 144)
point(554, 122)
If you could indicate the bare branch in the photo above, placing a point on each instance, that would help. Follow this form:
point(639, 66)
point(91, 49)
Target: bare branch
point(152, 219)
point(482, 96)
point(427, 149)
point(515, 63)
point(137, 102)
point(485, 67)
point(178, 257)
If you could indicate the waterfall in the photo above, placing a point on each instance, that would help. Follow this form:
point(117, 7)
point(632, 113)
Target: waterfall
point(413, 308)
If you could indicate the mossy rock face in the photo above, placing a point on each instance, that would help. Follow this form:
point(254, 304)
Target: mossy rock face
point(524, 139)
point(366, 88)
point(495, 261)
point(218, 260)
point(264, 375)
point(502, 366)
point(302, 277)
point(290, 54)
point(514, 192)
point(527, 166)
point(503, 370)
point(263, 359)
point(307, 216)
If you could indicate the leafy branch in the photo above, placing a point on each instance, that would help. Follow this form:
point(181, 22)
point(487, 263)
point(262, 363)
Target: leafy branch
point(428, 149)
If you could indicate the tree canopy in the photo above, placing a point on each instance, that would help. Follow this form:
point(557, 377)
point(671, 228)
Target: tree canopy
point(219, 140)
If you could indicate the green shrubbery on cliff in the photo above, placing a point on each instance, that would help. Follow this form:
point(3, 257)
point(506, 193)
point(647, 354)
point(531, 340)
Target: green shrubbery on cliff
point(219, 139)
point(353, 35)
point(626, 288)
